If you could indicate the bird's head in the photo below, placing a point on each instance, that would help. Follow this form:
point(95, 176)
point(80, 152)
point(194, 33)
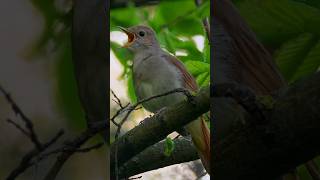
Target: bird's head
point(140, 38)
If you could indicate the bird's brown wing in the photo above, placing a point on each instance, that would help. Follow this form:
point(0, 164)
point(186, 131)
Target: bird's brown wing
point(189, 81)
point(253, 66)
point(198, 129)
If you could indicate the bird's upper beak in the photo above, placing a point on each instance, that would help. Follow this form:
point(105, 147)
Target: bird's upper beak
point(131, 36)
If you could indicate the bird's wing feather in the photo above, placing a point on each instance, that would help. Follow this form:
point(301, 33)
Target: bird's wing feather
point(189, 81)
point(198, 129)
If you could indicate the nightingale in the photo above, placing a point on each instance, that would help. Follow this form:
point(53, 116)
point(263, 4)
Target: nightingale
point(155, 72)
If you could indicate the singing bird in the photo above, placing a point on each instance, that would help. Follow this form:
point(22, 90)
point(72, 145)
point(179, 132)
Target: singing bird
point(155, 71)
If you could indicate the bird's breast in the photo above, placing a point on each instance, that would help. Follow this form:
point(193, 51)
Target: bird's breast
point(155, 76)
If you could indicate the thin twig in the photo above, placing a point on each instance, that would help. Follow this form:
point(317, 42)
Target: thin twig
point(139, 177)
point(75, 143)
point(67, 149)
point(26, 160)
point(18, 127)
point(28, 123)
point(117, 101)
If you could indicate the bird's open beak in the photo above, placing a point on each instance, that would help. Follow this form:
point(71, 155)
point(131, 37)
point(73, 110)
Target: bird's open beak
point(131, 36)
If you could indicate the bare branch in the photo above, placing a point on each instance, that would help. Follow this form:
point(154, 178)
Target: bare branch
point(27, 158)
point(26, 120)
point(75, 143)
point(18, 127)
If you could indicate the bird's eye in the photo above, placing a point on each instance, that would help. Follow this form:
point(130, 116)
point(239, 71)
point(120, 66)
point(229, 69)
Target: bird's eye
point(141, 33)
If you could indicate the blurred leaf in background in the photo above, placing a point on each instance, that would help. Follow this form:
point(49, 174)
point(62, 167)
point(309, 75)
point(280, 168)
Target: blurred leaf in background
point(290, 29)
point(55, 42)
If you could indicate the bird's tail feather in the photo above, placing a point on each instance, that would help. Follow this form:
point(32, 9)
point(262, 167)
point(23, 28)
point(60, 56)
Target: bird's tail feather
point(200, 134)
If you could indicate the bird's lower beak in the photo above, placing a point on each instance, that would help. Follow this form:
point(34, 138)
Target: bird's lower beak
point(131, 36)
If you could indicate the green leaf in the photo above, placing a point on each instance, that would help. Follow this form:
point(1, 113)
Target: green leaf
point(131, 91)
point(203, 79)
point(188, 26)
point(291, 55)
point(277, 21)
point(313, 3)
point(303, 173)
point(206, 50)
point(122, 54)
point(190, 47)
point(197, 67)
point(168, 146)
point(125, 17)
point(168, 11)
point(310, 63)
point(203, 11)
point(169, 42)
point(67, 96)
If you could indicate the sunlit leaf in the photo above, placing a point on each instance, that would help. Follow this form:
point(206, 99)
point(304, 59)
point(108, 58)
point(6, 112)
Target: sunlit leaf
point(125, 17)
point(203, 10)
point(122, 54)
point(197, 67)
point(203, 79)
point(169, 11)
point(131, 92)
point(206, 51)
point(188, 27)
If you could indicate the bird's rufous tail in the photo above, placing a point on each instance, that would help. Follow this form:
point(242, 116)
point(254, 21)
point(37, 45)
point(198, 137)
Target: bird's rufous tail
point(200, 134)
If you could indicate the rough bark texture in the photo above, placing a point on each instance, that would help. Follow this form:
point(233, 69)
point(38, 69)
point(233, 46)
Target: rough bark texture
point(265, 150)
point(184, 151)
point(157, 127)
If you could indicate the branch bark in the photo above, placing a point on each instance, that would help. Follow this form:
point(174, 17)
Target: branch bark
point(156, 128)
point(288, 138)
point(184, 151)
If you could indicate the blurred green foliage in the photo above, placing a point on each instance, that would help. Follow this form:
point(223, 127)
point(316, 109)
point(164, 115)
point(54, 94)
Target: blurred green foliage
point(55, 42)
point(176, 23)
point(289, 27)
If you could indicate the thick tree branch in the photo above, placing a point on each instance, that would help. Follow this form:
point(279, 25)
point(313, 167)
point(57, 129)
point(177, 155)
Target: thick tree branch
point(288, 138)
point(184, 151)
point(156, 128)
